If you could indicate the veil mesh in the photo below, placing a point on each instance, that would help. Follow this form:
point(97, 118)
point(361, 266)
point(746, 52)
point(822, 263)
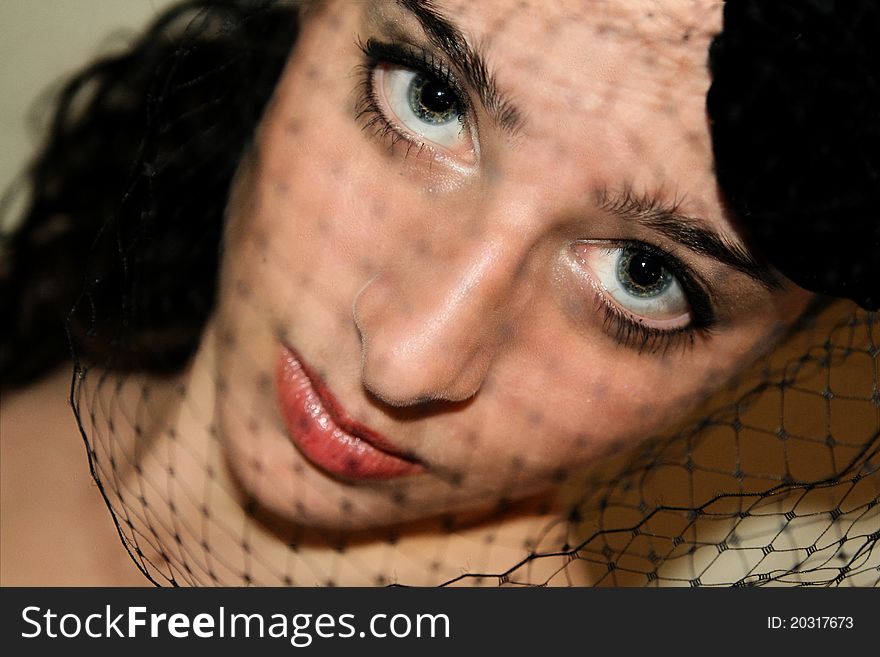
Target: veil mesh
point(778, 486)
point(774, 481)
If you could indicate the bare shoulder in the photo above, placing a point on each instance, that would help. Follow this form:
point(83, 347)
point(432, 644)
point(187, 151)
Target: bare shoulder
point(54, 526)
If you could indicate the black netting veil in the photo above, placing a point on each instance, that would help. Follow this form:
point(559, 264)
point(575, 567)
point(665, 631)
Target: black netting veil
point(778, 487)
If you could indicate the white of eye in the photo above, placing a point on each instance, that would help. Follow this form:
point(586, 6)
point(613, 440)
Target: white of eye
point(637, 280)
point(424, 106)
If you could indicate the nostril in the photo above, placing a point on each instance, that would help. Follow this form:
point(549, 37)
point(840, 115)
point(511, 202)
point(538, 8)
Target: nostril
point(407, 377)
point(357, 307)
point(418, 408)
point(392, 378)
point(429, 336)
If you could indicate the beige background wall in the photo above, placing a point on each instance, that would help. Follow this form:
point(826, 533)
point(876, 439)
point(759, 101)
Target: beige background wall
point(40, 42)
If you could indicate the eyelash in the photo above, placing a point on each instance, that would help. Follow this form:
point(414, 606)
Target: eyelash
point(418, 59)
point(633, 334)
point(626, 330)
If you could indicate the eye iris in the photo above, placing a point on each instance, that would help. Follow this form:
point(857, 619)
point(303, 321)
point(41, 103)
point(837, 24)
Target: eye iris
point(432, 101)
point(642, 274)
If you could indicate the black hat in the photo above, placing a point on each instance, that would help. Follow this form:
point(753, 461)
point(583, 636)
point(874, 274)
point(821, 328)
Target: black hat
point(795, 118)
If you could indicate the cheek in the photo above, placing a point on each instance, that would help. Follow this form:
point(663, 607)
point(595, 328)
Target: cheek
point(579, 415)
point(295, 228)
point(571, 405)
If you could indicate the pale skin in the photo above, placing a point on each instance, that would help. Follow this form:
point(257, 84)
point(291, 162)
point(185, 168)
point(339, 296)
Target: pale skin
point(451, 295)
point(441, 294)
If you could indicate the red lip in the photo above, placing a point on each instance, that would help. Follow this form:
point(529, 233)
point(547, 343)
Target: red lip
point(321, 429)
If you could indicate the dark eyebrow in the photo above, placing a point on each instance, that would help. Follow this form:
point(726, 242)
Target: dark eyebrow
point(446, 36)
point(688, 231)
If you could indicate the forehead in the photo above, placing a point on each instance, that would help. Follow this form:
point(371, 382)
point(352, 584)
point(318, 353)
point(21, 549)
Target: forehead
point(565, 43)
point(599, 51)
point(616, 88)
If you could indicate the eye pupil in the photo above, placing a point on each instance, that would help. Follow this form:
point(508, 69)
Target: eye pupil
point(642, 273)
point(432, 101)
point(436, 98)
point(645, 270)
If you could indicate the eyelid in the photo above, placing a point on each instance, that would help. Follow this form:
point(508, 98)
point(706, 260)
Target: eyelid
point(592, 311)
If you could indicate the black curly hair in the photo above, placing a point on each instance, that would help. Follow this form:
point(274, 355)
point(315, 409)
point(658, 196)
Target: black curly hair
point(124, 219)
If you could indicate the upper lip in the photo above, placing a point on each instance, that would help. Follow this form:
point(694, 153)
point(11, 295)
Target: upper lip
point(344, 421)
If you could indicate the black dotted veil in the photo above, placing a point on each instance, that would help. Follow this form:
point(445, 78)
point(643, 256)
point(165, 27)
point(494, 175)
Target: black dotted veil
point(779, 486)
point(773, 480)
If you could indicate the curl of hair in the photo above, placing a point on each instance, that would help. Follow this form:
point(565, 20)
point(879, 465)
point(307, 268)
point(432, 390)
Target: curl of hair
point(117, 255)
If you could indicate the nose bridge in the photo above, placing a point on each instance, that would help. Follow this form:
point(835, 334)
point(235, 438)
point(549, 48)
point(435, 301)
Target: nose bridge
point(430, 326)
point(455, 303)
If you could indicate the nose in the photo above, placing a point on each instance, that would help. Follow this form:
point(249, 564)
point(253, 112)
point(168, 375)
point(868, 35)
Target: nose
point(431, 326)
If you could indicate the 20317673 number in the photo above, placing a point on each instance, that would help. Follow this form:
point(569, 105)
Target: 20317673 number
point(810, 623)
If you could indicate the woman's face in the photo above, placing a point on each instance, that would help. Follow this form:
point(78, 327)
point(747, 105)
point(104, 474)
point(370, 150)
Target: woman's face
point(478, 246)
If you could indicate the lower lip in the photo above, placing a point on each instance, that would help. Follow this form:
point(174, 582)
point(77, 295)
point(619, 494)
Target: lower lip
point(319, 427)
